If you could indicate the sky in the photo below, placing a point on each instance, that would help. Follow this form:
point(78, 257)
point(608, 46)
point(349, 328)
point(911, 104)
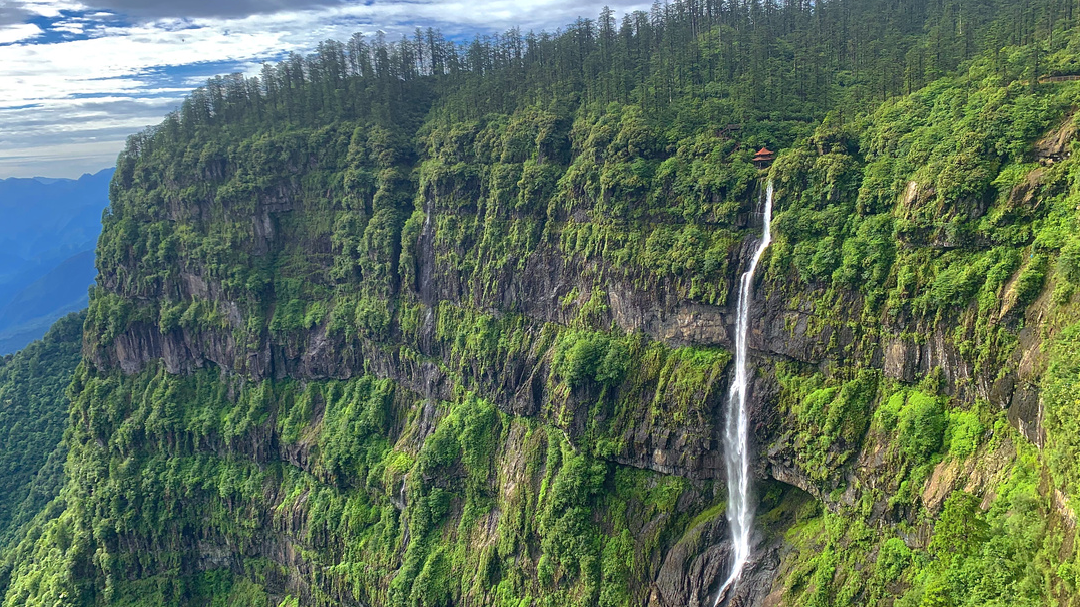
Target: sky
point(77, 78)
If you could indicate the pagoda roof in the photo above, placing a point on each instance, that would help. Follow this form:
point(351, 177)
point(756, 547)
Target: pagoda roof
point(763, 152)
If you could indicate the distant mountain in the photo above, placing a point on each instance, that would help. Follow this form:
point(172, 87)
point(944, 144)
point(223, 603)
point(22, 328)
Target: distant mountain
point(47, 238)
point(35, 308)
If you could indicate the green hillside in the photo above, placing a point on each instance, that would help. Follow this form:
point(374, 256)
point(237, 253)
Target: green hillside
point(33, 415)
point(423, 323)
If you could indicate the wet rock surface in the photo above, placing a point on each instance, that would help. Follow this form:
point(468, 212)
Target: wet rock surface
point(696, 567)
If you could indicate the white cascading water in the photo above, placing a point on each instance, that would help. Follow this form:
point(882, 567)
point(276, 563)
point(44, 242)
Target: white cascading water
point(740, 508)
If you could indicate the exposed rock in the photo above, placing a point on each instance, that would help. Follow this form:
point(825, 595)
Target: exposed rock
point(695, 567)
point(1054, 147)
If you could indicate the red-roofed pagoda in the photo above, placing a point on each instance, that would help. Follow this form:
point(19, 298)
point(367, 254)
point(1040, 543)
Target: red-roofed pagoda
point(764, 158)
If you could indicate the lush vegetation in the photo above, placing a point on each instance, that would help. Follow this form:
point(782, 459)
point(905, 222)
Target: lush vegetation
point(33, 415)
point(1003, 549)
point(388, 516)
point(418, 323)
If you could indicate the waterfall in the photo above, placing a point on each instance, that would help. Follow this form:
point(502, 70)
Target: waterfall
point(740, 508)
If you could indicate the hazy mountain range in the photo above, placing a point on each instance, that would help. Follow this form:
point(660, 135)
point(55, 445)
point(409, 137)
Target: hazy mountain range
point(47, 238)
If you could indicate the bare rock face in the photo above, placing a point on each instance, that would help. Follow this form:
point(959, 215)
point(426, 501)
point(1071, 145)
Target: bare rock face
point(1054, 147)
point(756, 584)
point(694, 569)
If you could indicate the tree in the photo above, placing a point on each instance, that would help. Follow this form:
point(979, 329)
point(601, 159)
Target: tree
point(961, 530)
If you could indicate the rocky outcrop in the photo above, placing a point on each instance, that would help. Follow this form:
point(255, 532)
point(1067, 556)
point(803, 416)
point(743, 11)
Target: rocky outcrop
point(695, 567)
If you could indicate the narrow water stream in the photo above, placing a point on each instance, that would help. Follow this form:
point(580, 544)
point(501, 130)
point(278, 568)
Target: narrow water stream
point(740, 506)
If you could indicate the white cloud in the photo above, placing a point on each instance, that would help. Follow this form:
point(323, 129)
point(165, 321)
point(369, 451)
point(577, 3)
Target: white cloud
point(21, 31)
point(120, 65)
point(61, 159)
point(48, 8)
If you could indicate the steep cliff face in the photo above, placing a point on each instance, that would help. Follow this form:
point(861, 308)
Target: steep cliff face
point(328, 366)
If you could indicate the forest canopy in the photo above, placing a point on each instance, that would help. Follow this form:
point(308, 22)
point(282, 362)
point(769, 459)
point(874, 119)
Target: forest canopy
point(687, 63)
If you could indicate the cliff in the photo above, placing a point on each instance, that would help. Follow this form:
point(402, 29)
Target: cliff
point(483, 362)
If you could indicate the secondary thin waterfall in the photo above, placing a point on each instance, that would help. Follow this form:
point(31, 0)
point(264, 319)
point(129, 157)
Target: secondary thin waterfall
point(740, 508)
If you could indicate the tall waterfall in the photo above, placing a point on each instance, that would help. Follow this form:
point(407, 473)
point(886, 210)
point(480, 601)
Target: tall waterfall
point(740, 507)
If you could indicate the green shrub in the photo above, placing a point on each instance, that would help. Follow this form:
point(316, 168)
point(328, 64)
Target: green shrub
point(373, 316)
point(893, 559)
point(1067, 573)
point(850, 413)
point(961, 529)
point(613, 367)
point(1069, 262)
point(584, 356)
point(432, 587)
point(888, 413)
point(1061, 393)
point(289, 307)
point(1031, 280)
point(315, 314)
point(354, 424)
point(921, 424)
point(568, 533)
point(964, 432)
point(616, 565)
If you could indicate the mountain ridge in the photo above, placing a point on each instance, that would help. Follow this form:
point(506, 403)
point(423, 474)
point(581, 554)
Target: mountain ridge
point(50, 224)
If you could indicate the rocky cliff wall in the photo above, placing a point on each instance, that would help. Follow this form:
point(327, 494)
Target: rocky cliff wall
point(472, 374)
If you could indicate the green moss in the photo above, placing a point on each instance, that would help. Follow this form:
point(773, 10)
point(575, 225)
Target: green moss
point(830, 420)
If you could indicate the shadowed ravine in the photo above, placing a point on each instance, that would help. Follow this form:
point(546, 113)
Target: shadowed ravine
point(740, 508)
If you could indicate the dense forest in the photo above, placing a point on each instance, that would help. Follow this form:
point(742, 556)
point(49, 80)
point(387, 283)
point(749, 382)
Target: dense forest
point(33, 386)
point(424, 323)
point(762, 66)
